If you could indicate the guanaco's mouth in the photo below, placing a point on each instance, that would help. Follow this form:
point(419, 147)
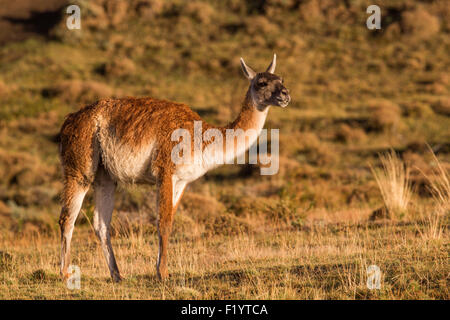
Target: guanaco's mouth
point(283, 102)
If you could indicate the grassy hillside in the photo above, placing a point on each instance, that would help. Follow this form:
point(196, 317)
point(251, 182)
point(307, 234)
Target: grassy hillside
point(303, 233)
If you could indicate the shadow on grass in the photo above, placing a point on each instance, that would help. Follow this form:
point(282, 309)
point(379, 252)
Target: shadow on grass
point(237, 277)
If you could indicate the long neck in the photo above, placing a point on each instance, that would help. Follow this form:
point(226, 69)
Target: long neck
point(249, 117)
point(243, 132)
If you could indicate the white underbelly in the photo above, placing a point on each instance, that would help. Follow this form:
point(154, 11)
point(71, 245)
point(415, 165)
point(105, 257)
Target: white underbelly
point(189, 172)
point(127, 164)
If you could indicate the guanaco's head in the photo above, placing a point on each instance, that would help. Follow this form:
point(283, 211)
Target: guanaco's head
point(266, 88)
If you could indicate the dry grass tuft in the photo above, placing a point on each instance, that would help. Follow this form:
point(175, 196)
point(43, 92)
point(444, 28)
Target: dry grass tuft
point(72, 91)
point(394, 184)
point(260, 25)
point(6, 261)
point(201, 208)
point(310, 148)
point(201, 12)
point(117, 11)
point(419, 23)
point(149, 9)
point(345, 133)
point(311, 12)
point(384, 114)
point(4, 88)
point(118, 67)
point(12, 163)
point(440, 186)
point(228, 225)
point(442, 106)
point(416, 109)
point(436, 220)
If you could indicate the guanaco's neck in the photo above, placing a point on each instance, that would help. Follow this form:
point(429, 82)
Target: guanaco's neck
point(249, 117)
point(240, 134)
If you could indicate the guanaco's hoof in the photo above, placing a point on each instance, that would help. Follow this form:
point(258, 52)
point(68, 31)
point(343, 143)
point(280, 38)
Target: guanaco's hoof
point(116, 278)
point(64, 277)
point(162, 275)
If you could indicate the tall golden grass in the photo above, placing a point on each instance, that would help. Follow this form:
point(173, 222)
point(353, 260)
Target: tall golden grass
point(439, 185)
point(394, 184)
point(328, 261)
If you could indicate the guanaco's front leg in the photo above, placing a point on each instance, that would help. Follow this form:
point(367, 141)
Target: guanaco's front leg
point(165, 220)
point(170, 191)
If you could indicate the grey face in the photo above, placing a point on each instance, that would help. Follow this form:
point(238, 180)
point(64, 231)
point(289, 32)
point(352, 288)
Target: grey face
point(266, 88)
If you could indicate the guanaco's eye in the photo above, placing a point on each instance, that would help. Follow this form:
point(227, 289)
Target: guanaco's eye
point(262, 83)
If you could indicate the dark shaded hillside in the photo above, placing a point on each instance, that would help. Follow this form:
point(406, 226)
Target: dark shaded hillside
point(23, 19)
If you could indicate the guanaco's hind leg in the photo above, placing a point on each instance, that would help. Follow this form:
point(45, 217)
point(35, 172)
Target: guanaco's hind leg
point(169, 195)
point(104, 188)
point(72, 198)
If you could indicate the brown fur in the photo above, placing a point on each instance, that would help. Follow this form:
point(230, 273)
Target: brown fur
point(96, 141)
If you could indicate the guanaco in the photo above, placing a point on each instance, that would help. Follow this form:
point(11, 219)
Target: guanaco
point(129, 140)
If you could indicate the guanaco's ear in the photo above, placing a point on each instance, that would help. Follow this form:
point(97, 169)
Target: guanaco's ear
point(273, 64)
point(248, 72)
